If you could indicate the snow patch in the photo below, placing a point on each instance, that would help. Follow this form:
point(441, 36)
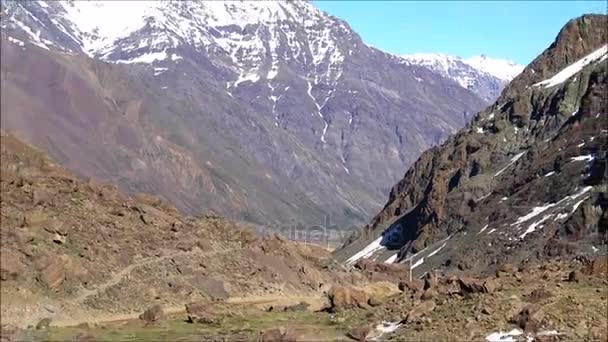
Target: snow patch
point(574, 68)
point(437, 250)
point(366, 252)
point(586, 158)
point(511, 162)
point(483, 229)
point(391, 259)
point(16, 41)
point(534, 225)
point(504, 336)
point(145, 58)
point(417, 263)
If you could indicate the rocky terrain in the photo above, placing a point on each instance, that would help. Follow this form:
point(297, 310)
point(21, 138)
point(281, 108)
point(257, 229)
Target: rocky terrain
point(524, 181)
point(267, 112)
point(81, 252)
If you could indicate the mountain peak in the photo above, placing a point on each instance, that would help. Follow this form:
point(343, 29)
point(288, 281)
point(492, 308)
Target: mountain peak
point(484, 75)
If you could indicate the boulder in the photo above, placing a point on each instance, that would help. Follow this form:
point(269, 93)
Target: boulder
point(574, 276)
point(277, 335)
point(419, 311)
point(491, 285)
point(374, 301)
point(471, 285)
point(198, 313)
point(359, 333)
point(342, 297)
point(529, 318)
point(43, 323)
point(53, 272)
point(430, 281)
point(153, 314)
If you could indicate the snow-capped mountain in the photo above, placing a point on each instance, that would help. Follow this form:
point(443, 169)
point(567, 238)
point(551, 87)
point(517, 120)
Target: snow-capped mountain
point(287, 92)
point(503, 69)
point(485, 76)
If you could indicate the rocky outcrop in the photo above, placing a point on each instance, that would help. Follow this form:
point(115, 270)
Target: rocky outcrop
point(342, 298)
point(522, 181)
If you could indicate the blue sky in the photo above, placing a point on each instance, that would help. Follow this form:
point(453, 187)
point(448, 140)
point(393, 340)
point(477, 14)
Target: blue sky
point(516, 30)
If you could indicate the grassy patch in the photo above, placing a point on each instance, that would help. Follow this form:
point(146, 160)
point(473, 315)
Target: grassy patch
point(237, 327)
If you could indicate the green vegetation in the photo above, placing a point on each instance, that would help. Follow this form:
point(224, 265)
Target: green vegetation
point(239, 327)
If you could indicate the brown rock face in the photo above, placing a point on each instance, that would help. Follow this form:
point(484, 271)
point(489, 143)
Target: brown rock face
point(153, 314)
point(53, 274)
point(471, 285)
point(529, 318)
point(477, 190)
point(342, 298)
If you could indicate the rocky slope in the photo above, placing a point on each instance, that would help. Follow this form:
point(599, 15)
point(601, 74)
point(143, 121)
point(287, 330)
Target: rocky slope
point(270, 112)
point(75, 251)
point(485, 76)
point(525, 180)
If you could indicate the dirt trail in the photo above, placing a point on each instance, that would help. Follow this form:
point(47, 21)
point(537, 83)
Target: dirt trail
point(315, 300)
point(118, 277)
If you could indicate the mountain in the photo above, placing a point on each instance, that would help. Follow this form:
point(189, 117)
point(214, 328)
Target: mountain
point(269, 112)
point(78, 251)
point(524, 181)
point(483, 75)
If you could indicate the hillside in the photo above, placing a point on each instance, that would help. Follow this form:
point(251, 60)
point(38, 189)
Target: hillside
point(82, 252)
point(524, 181)
point(267, 112)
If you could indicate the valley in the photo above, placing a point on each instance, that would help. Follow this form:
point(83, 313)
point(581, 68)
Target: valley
point(253, 171)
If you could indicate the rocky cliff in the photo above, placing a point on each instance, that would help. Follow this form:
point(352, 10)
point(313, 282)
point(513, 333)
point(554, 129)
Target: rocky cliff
point(525, 180)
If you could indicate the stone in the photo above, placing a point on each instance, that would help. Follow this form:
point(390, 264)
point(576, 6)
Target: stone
point(341, 298)
point(374, 301)
point(430, 281)
point(471, 285)
point(53, 273)
point(529, 318)
point(359, 333)
point(277, 335)
point(198, 313)
point(43, 323)
point(420, 311)
point(153, 314)
point(491, 285)
point(574, 276)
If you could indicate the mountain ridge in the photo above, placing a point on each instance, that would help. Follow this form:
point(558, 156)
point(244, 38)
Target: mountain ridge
point(306, 102)
point(485, 76)
point(523, 181)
